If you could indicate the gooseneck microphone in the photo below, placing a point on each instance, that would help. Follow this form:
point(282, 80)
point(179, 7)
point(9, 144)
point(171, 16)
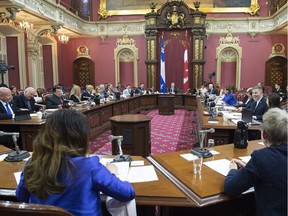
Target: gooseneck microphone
point(211, 130)
point(111, 137)
point(17, 155)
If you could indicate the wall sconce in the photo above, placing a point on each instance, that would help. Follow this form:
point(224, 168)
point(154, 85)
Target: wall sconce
point(63, 38)
point(25, 25)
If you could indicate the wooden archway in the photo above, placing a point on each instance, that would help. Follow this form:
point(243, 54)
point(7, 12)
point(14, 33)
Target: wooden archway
point(175, 15)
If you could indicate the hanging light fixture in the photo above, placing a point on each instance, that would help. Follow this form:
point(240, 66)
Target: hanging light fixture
point(63, 38)
point(25, 25)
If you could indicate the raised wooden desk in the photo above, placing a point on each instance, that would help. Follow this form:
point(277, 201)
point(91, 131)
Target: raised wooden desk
point(136, 131)
point(206, 189)
point(98, 116)
point(28, 130)
point(166, 104)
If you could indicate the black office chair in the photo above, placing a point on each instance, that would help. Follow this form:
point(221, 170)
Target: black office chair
point(8, 208)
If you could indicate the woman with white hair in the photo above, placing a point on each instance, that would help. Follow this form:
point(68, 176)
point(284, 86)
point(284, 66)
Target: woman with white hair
point(266, 171)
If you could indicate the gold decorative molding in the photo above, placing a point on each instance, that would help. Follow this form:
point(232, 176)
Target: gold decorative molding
point(143, 8)
point(83, 51)
point(229, 39)
point(278, 49)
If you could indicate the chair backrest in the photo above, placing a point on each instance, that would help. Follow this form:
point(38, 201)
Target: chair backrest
point(8, 208)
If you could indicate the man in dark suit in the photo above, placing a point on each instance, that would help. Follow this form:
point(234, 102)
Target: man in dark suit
point(56, 100)
point(211, 89)
point(140, 90)
point(172, 89)
point(26, 100)
point(7, 111)
point(259, 105)
point(88, 93)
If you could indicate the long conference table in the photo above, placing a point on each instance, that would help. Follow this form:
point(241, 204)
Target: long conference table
point(177, 191)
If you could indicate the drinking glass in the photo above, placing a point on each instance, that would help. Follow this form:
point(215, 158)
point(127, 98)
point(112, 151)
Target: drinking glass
point(197, 165)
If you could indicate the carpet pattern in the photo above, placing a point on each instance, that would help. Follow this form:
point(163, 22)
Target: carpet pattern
point(169, 133)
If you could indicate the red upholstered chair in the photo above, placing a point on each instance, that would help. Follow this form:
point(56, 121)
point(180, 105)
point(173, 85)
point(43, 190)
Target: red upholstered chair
point(8, 208)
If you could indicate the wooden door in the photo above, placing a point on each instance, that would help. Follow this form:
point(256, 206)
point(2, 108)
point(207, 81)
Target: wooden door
point(276, 72)
point(84, 72)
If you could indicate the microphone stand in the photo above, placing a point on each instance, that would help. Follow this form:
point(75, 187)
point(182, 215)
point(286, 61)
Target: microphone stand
point(201, 151)
point(121, 157)
point(17, 155)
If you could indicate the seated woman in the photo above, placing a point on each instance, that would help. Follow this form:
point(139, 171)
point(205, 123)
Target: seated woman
point(75, 94)
point(14, 91)
point(229, 98)
point(273, 100)
point(59, 172)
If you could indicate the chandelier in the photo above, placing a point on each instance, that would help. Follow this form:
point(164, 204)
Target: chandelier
point(25, 25)
point(63, 38)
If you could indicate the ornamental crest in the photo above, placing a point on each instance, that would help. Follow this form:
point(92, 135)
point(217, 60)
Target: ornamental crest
point(175, 19)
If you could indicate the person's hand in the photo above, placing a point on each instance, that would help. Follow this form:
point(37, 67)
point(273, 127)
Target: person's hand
point(112, 168)
point(236, 164)
point(240, 109)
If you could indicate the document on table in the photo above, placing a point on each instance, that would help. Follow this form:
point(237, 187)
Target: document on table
point(245, 159)
point(221, 166)
point(17, 176)
point(133, 174)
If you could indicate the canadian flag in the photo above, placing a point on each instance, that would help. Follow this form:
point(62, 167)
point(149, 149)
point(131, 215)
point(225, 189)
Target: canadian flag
point(185, 76)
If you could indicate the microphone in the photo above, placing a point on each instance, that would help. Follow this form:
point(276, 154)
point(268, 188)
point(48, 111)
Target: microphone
point(111, 137)
point(18, 155)
point(211, 130)
point(120, 157)
point(13, 134)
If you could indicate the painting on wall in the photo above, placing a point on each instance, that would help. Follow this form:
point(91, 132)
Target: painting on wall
point(130, 7)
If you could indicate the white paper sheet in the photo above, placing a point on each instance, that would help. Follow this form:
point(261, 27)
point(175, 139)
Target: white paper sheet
point(137, 163)
point(189, 156)
point(245, 159)
point(213, 152)
point(142, 174)
point(17, 176)
point(3, 156)
point(221, 166)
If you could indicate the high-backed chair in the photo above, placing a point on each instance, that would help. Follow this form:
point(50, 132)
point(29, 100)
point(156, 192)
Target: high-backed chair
point(8, 208)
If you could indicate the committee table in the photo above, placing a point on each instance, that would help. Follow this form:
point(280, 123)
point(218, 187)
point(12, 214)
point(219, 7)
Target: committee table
point(178, 190)
point(206, 189)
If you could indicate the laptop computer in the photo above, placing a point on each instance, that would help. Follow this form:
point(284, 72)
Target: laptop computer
point(247, 117)
point(22, 115)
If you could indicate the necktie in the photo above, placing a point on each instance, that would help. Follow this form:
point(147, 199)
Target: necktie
point(29, 105)
point(8, 109)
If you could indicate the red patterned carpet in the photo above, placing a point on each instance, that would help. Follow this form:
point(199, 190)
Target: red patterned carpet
point(169, 133)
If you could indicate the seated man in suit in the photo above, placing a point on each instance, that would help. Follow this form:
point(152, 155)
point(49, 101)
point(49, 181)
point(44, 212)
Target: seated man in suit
point(211, 89)
point(259, 106)
point(26, 100)
point(56, 100)
point(127, 91)
point(7, 110)
point(140, 90)
point(172, 89)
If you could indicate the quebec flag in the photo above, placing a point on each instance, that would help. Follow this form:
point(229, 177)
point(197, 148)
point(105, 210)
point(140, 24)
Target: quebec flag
point(162, 69)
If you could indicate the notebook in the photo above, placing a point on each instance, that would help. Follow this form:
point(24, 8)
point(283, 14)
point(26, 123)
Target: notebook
point(247, 117)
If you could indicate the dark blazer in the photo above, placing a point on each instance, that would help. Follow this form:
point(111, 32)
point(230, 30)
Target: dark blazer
point(74, 99)
point(260, 109)
point(267, 172)
point(21, 102)
point(3, 112)
point(175, 90)
point(212, 91)
point(139, 90)
point(53, 101)
point(86, 95)
point(248, 104)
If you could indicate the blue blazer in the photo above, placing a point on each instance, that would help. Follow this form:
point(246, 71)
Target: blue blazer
point(229, 99)
point(267, 173)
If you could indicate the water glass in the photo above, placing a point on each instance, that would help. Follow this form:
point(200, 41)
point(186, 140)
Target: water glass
point(197, 165)
point(210, 144)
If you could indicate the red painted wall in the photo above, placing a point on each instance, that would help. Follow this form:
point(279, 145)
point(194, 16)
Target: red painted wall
point(102, 53)
point(255, 52)
point(13, 59)
point(47, 65)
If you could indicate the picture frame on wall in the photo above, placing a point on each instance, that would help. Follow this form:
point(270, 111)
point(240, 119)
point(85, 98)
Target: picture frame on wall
point(109, 8)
